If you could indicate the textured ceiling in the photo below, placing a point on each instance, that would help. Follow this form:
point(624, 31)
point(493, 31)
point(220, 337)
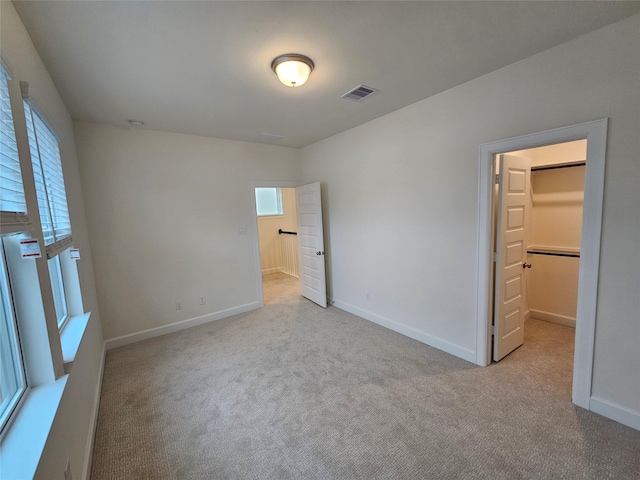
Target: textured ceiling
point(204, 67)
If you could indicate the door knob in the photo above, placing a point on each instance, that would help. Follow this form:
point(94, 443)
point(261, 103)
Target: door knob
point(526, 265)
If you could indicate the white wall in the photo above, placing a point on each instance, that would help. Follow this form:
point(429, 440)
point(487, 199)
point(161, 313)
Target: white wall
point(270, 251)
point(73, 424)
point(552, 284)
point(561, 153)
point(165, 211)
point(552, 288)
point(401, 198)
point(558, 197)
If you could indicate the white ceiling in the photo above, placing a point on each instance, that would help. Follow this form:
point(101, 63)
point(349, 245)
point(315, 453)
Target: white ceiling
point(204, 67)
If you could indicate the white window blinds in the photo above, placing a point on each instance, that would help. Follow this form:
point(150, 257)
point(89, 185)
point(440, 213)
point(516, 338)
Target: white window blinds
point(49, 182)
point(13, 206)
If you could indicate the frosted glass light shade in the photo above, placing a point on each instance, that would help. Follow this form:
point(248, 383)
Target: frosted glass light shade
point(292, 69)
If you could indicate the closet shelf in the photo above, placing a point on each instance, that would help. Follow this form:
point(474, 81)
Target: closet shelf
point(559, 165)
point(554, 251)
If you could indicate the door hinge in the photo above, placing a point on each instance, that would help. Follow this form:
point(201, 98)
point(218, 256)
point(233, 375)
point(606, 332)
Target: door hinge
point(497, 178)
point(494, 330)
point(495, 256)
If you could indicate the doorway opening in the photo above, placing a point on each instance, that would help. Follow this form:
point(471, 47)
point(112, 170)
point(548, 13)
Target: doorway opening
point(278, 244)
point(306, 211)
point(595, 135)
point(537, 227)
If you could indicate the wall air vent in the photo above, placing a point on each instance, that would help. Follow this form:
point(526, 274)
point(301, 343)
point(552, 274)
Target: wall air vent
point(359, 93)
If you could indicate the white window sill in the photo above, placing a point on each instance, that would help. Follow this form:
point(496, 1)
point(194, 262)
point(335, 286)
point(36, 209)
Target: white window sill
point(71, 336)
point(24, 442)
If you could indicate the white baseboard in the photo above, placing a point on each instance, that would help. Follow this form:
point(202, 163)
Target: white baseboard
point(177, 326)
point(623, 415)
point(553, 318)
point(268, 271)
point(88, 455)
point(445, 346)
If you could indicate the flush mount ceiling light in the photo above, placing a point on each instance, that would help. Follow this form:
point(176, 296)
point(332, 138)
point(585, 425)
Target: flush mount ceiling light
point(292, 69)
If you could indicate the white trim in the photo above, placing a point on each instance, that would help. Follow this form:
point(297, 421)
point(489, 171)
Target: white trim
point(71, 336)
point(596, 134)
point(22, 446)
point(440, 344)
point(269, 271)
point(88, 450)
point(623, 415)
point(553, 318)
point(177, 326)
point(253, 230)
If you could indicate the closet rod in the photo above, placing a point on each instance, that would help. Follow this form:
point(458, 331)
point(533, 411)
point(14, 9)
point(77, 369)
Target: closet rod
point(554, 167)
point(554, 254)
point(281, 231)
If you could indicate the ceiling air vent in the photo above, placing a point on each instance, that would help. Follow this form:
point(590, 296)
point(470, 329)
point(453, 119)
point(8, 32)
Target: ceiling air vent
point(359, 93)
point(269, 138)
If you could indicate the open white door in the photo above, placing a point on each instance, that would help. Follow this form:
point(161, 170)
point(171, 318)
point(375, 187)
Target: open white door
point(313, 283)
point(513, 193)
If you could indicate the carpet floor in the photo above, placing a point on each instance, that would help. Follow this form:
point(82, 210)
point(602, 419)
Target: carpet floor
point(294, 391)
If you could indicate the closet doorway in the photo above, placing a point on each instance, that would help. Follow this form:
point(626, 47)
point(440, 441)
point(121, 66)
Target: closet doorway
point(537, 226)
point(595, 133)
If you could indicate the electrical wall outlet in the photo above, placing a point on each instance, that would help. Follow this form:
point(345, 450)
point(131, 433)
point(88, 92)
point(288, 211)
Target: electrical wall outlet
point(178, 304)
point(203, 300)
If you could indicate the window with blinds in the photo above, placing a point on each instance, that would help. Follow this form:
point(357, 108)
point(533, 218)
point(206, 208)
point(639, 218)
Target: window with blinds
point(13, 206)
point(49, 182)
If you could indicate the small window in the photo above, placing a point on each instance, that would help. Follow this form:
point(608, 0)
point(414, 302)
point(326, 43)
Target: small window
point(268, 201)
point(12, 380)
point(49, 180)
point(52, 201)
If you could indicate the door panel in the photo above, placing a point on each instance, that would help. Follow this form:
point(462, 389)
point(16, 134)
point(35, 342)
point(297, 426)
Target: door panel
point(311, 244)
point(513, 194)
point(514, 253)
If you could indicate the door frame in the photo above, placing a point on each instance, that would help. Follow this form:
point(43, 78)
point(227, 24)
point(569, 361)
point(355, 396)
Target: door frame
point(595, 132)
point(254, 227)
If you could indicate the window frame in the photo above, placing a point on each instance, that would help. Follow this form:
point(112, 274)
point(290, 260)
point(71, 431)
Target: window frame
point(48, 176)
point(56, 277)
point(278, 202)
point(10, 220)
point(13, 379)
point(9, 325)
point(12, 195)
point(44, 358)
point(52, 203)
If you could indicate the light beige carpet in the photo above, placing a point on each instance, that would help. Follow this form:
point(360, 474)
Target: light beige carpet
point(293, 391)
point(280, 288)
